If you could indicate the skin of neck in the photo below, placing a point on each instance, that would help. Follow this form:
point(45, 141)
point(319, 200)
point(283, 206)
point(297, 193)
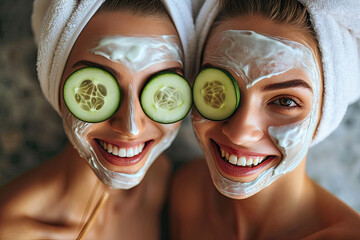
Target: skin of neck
point(264, 213)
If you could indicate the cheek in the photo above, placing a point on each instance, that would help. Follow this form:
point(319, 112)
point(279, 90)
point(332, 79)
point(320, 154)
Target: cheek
point(165, 130)
point(200, 125)
point(204, 128)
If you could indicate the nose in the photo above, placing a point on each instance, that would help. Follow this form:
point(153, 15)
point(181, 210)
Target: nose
point(129, 120)
point(244, 127)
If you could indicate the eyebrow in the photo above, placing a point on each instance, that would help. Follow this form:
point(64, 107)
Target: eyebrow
point(97, 65)
point(287, 84)
point(275, 86)
point(206, 65)
point(116, 73)
point(174, 69)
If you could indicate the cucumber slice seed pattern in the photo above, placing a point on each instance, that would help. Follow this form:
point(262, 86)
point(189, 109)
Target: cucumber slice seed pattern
point(90, 95)
point(214, 94)
point(168, 98)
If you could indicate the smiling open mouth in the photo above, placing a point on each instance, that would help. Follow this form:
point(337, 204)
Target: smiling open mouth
point(123, 155)
point(241, 160)
point(240, 164)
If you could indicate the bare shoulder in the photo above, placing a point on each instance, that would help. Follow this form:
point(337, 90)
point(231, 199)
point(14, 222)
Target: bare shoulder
point(343, 229)
point(188, 182)
point(190, 178)
point(28, 187)
point(24, 197)
point(339, 220)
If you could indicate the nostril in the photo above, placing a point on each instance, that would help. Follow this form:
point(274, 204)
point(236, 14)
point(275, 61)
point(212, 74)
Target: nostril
point(242, 134)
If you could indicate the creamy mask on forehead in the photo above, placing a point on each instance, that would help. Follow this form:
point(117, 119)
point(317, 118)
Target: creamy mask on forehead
point(139, 52)
point(255, 57)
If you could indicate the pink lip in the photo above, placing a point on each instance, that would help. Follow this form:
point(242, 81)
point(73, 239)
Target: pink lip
point(124, 161)
point(238, 171)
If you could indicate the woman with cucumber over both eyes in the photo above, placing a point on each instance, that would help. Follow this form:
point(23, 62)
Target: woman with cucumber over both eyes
point(115, 71)
point(275, 78)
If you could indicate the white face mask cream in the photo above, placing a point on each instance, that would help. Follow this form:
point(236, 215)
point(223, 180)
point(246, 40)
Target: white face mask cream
point(255, 57)
point(78, 131)
point(130, 122)
point(137, 53)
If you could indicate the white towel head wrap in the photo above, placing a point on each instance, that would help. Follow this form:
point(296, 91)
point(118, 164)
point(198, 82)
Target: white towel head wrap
point(57, 24)
point(337, 25)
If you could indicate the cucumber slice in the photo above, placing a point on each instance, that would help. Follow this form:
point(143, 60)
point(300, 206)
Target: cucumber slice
point(92, 94)
point(166, 97)
point(216, 94)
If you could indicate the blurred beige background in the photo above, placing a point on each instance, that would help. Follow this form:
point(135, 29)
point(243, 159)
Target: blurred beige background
point(31, 132)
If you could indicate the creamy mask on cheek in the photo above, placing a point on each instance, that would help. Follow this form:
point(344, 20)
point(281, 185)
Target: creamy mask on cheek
point(138, 53)
point(78, 131)
point(255, 57)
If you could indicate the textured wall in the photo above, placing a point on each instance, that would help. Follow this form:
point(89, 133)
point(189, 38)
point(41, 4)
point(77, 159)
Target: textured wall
point(31, 132)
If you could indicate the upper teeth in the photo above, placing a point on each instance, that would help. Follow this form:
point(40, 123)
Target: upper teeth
point(241, 161)
point(122, 152)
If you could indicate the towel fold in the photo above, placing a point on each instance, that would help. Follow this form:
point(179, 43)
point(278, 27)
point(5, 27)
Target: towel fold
point(56, 25)
point(337, 26)
point(203, 22)
point(181, 14)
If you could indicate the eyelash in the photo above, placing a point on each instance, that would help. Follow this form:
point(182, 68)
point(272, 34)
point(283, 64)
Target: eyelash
point(278, 103)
